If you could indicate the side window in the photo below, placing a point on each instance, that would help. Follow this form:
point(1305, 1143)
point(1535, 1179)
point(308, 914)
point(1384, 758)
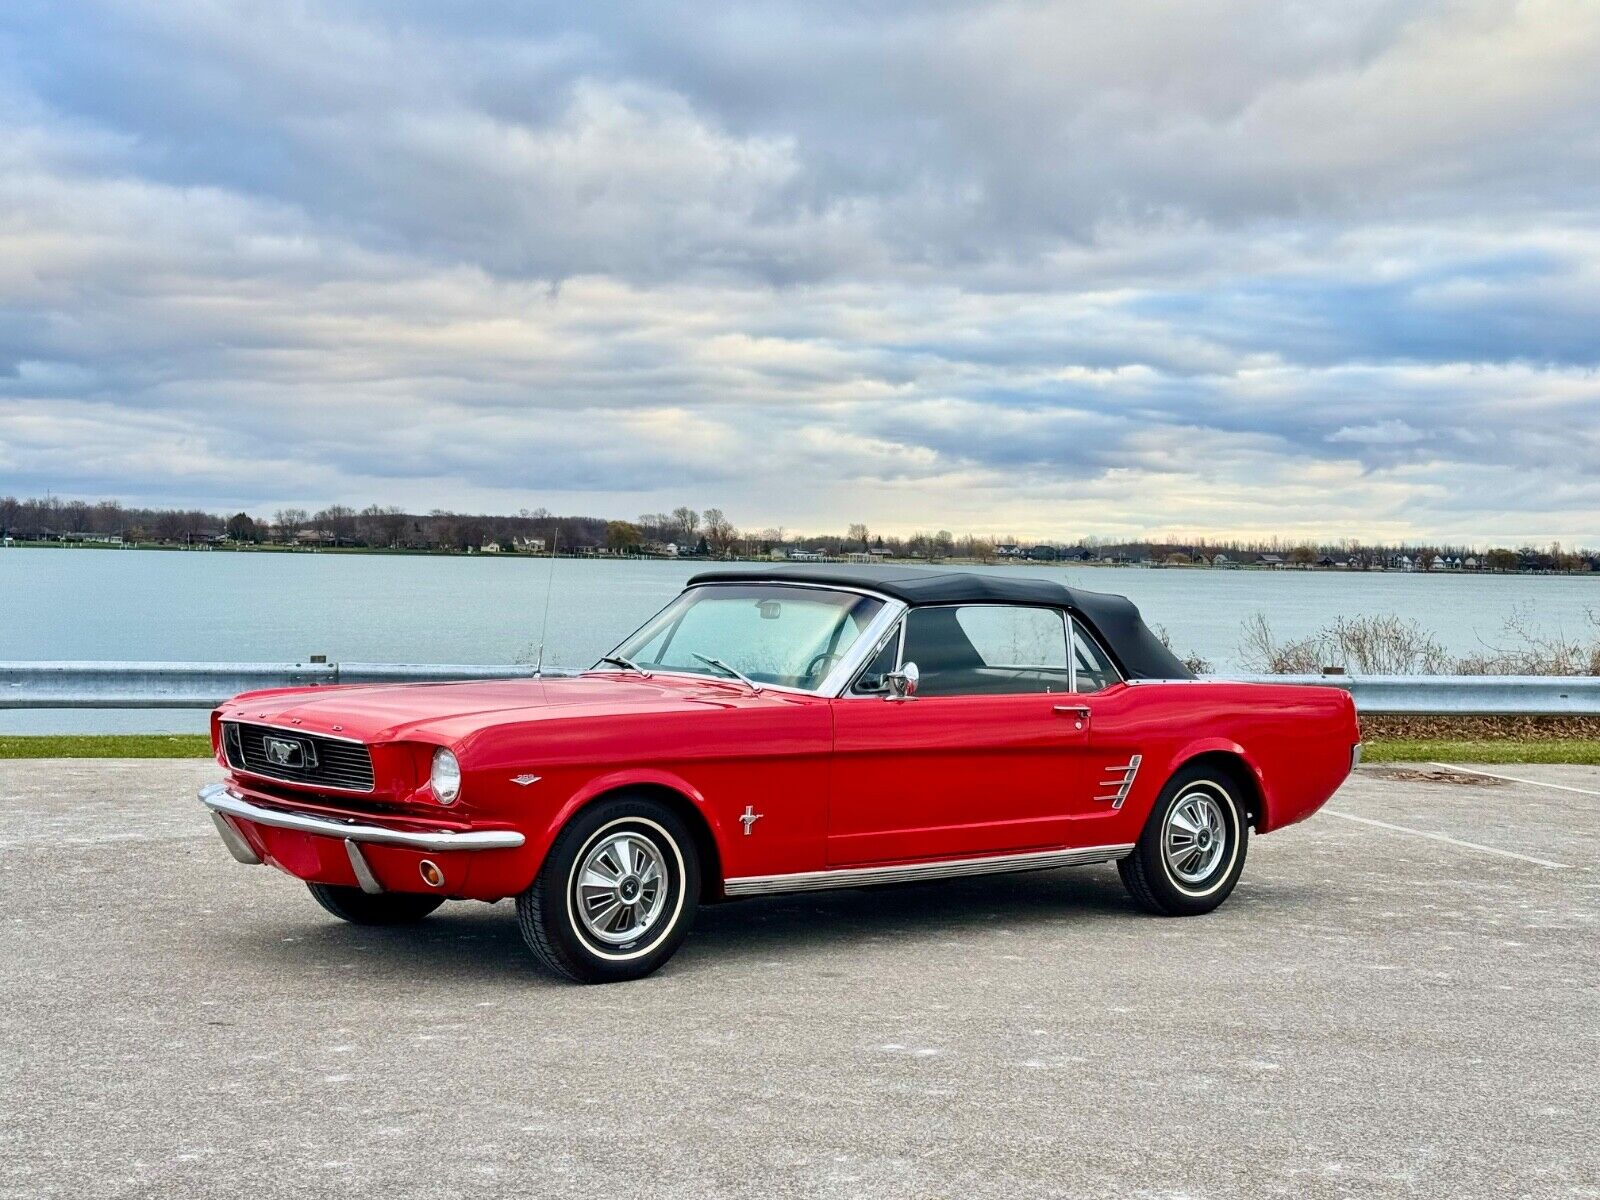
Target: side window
point(1095, 671)
point(987, 649)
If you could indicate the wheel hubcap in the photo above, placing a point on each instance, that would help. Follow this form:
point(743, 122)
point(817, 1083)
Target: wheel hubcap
point(622, 888)
point(1195, 837)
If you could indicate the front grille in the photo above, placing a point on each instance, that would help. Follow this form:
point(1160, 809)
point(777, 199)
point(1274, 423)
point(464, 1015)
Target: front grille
point(313, 760)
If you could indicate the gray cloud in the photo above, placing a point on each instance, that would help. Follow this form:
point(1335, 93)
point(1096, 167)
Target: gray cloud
point(1037, 268)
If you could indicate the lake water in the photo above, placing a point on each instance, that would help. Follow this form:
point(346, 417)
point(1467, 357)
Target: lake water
point(107, 604)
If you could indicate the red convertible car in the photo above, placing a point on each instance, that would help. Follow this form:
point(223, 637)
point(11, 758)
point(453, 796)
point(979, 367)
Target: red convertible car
point(780, 730)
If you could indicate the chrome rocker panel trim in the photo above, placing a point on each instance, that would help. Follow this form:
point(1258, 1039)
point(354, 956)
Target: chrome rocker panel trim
point(219, 799)
point(850, 877)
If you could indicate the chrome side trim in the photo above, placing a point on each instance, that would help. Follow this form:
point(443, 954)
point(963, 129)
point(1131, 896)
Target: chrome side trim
point(234, 841)
point(851, 877)
point(1117, 782)
point(219, 799)
point(364, 876)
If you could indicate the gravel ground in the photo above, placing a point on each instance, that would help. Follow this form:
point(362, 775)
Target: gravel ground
point(1374, 1013)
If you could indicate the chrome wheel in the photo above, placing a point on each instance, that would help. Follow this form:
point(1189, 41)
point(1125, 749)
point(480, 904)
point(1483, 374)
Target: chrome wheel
point(1195, 837)
point(621, 887)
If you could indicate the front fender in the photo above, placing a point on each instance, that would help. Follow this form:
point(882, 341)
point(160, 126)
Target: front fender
point(613, 781)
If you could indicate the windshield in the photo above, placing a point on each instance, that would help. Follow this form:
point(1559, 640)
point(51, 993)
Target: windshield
point(789, 636)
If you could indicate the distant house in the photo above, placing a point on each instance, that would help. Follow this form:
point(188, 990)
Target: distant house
point(1472, 563)
point(1271, 560)
point(8, 540)
point(492, 548)
point(1010, 550)
point(1043, 553)
point(799, 555)
point(879, 554)
point(1222, 560)
point(529, 545)
point(1327, 560)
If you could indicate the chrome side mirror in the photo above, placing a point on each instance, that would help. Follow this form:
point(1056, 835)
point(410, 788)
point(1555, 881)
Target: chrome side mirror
point(902, 683)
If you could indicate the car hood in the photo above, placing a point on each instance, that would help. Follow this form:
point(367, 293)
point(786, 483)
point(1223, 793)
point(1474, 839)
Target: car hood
point(448, 712)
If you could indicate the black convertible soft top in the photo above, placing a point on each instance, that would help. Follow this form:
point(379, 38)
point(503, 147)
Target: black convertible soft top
point(1138, 652)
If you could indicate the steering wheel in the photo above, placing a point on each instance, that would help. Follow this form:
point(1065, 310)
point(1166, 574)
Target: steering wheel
point(826, 659)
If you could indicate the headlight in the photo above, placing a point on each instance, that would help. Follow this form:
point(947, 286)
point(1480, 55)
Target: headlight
point(446, 777)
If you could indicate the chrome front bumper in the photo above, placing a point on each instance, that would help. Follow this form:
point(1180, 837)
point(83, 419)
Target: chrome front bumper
point(224, 804)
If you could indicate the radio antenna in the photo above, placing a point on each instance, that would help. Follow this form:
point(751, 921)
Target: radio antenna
point(549, 587)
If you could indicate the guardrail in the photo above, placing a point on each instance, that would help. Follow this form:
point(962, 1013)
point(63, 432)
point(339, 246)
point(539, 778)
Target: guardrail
point(208, 684)
point(53, 685)
point(1459, 695)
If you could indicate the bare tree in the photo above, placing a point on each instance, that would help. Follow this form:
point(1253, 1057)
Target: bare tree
point(290, 521)
point(339, 521)
point(858, 533)
point(719, 531)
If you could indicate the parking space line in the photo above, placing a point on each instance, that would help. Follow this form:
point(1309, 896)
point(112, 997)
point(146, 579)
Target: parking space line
point(1439, 837)
point(1560, 787)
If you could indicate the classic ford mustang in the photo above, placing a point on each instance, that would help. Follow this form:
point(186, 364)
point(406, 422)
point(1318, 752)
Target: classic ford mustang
point(778, 730)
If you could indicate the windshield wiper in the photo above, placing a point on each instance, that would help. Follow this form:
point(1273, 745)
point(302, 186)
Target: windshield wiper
point(734, 671)
point(626, 664)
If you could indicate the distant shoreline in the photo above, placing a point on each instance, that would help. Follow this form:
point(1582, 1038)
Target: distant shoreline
point(540, 555)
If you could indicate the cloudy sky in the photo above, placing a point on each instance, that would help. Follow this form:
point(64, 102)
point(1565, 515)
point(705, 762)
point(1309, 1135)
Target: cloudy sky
point(1326, 267)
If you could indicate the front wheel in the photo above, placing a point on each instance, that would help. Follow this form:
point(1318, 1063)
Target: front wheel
point(386, 908)
point(1192, 850)
point(616, 895)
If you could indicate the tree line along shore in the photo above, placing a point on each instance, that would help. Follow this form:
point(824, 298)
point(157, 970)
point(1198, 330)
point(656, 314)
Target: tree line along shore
point(688, 533)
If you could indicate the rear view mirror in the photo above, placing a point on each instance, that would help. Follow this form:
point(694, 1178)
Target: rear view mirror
point(902, 684)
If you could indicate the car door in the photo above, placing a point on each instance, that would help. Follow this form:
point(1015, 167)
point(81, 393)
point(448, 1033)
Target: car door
point(1112, 757)
point(985, 757)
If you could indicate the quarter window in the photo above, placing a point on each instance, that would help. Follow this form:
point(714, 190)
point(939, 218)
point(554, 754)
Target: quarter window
point(1094, 669)
point(987, 649)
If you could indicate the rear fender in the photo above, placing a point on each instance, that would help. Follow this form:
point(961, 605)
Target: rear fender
point(1214, 745)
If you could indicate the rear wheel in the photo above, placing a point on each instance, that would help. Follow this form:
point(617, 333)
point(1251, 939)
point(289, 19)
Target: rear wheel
point(616, 895)
point(385, 908)
point(1192, 850)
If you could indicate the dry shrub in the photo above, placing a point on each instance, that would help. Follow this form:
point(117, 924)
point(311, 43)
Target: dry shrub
point(1528, 652)
point(1378, 645)
point(1391, 645)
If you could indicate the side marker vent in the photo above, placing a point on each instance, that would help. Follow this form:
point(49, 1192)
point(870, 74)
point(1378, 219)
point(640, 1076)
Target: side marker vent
point(1117, 782)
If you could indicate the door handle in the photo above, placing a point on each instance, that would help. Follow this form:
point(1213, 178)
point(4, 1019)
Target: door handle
point(1078, 712)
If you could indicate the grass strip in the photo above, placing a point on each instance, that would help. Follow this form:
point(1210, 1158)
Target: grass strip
point(110, 745)
point(1584, 751)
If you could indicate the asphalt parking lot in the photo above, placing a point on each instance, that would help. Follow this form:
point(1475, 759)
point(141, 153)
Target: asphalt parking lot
point(1374, 1013)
